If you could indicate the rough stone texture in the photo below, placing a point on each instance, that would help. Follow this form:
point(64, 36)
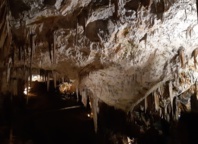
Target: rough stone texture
point(120, 50)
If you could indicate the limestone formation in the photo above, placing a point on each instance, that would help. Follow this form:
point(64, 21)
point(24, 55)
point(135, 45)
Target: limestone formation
point(121, 52)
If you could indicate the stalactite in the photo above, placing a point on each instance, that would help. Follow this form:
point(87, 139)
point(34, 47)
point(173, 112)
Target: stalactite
point(54, 47)
point(182, 56)
point(55, 79)
point(116, 5)
point(77, 93)
point(197, 9)
point(84, 97)
point(15, 90)
point(176, 107)
point(49, 49)
point(95, 110)
point(165, 110)
point(160, 112)
point(194, 54)
point(144, 38)
point(24, 73)
point(2, 28)
point(46, 76)
point(41, 74)
point(50, 41)
point(171, 94)
point(156, 99)
point(109, 3)
point(166, 5)
point(13, 54)
point(145, 104)
point(8, 69)
point(76, 83)
point(26, 48)
point(160, 8)
point(27, 85)
point(33, 44)
point(3, 13)
point(48, 81)
point(151, 90)
point(196, 89)
point(24, 54)
point(84, 26)
point(6, 45)
point(76, 37)
point(11, 137)
point(63, 79)
point(31, 55)
point(19, 54)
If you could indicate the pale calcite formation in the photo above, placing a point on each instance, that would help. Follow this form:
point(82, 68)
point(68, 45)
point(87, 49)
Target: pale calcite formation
point(119, 54)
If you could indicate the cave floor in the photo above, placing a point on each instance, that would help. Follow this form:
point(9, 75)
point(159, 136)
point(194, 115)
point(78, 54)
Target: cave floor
point(46, 120)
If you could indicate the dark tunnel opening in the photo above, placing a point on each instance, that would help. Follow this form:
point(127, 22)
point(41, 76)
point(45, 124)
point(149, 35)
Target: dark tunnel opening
point(49, 117)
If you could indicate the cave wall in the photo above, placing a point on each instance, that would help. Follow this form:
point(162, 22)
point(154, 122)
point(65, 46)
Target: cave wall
point(143, 51)
point(5, 50)
point(120, 50)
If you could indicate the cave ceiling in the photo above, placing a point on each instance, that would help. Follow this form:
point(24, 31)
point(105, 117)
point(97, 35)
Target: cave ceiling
point(120, 51)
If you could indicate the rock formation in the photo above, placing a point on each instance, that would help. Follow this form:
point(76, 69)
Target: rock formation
point(119, 52)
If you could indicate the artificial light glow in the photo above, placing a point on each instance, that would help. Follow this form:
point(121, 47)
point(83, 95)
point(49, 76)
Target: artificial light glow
point(130, 141)
point(36, 78)
point(26, 90)
point(90, 115)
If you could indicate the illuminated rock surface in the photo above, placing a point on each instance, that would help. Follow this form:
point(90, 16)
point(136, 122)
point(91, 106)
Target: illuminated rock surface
point(118, 52)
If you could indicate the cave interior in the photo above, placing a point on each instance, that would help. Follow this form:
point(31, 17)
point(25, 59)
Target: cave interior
point(98, 71)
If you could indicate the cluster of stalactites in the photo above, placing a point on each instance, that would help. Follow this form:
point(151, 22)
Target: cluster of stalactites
point(176, 94)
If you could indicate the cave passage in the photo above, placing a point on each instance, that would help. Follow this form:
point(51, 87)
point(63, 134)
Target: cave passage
point(48, 118)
